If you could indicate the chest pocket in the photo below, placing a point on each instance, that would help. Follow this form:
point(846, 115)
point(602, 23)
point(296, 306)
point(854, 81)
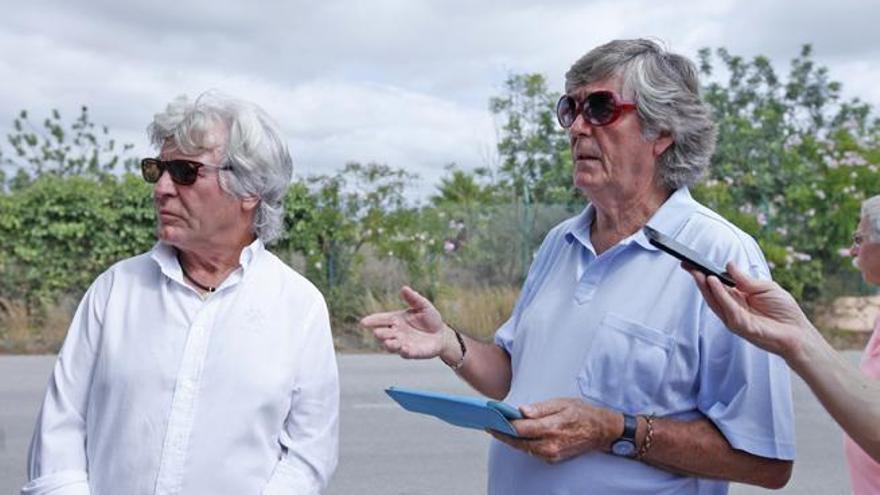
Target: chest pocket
point(625, 365)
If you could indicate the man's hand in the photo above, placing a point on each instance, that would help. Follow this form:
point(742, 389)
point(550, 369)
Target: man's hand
point(563, 428)
point(760, 311)
point(415, 333)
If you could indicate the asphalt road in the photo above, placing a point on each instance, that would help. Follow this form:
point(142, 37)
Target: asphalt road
point(385, 450)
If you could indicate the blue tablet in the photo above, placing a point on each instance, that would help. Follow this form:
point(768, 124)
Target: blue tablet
point(459, 410)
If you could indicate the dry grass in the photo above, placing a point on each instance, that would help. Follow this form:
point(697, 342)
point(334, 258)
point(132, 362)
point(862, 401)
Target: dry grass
point(15, 327)
point(477, 311)
point(55, 324)
point(846, 339)
point(23, 332)
point(382, 275)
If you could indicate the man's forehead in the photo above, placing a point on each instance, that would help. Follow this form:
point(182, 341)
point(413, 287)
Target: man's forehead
point(611, 83)
point(172, 146)
point(171, 149)
point(210, 141)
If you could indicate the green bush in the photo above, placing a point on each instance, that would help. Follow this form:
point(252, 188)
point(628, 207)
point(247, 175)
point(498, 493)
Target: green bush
point(58, 233)
point(793, 163)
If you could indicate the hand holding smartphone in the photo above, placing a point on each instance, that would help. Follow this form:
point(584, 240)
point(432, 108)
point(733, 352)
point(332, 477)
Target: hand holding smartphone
point(688, 255)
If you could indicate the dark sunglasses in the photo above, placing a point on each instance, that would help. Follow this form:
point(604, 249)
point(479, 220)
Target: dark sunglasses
point(183, 172)
point(598, 109)
point(858, 239)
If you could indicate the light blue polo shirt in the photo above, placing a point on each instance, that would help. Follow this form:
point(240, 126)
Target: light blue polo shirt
point(628, 330)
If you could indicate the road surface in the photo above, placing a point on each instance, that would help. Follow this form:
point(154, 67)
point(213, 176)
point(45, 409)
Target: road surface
point(385, 450)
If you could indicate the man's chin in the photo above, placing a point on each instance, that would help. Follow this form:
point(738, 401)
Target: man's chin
point(166, 234)
point(585, 183)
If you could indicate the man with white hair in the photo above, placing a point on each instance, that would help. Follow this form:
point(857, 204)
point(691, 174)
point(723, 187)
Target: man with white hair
point(205, 365)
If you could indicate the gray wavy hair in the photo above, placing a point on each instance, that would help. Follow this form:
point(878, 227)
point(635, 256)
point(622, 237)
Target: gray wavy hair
point(256, 151)
point(666, 90)
point(871, 215)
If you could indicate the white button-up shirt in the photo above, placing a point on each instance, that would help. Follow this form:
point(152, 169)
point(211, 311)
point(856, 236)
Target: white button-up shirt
point(159, 391)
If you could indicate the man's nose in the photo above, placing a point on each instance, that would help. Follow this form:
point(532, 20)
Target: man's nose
point(164, 186)
point(580, 125)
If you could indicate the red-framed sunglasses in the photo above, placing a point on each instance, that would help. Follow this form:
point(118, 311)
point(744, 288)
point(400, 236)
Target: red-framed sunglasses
point(183, 172)
point(599, 108)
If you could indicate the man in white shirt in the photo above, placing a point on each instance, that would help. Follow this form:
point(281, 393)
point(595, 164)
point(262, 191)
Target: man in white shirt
point(205, 366)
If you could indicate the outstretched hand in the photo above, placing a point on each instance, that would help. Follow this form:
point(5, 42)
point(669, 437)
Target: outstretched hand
point(760, 311)
point(415, 333)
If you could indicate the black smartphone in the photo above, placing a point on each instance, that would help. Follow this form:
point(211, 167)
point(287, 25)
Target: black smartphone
point(684, 253)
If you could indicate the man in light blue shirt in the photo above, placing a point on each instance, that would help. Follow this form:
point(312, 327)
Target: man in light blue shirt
point(627, 331)
point(628, 382)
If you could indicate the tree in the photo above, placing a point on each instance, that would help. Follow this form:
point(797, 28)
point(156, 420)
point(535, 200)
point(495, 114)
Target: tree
point(64, 216)
point(81, 148)
point(465, 190)
point(332, 217)
point(534, 151)
point(792, 164)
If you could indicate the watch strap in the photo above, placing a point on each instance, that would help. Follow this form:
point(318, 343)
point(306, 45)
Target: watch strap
point(629, 428)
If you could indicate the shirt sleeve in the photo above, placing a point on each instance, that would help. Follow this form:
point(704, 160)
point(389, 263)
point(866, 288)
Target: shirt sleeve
point(310, 434)
point(505, 335)
point(745, 391)
point(57, 460)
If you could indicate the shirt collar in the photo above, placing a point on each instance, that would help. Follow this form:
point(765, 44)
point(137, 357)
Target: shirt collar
point(250, 253)
point(578, 228)
point(165, 255)
point(668, 219)
point(671, 217)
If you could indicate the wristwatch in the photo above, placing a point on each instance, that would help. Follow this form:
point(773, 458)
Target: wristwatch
point(625, 445)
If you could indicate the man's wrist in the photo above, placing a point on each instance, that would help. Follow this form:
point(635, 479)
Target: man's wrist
point(614, 428)
point(642, 438)
point(452, 351)
point(646, 440)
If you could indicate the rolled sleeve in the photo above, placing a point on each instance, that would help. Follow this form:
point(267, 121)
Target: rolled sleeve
point(746, 393)
point(59, 483)
point(744, 390)
point(506, 333)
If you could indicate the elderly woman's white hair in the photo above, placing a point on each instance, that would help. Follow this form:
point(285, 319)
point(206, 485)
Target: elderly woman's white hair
point(871, 215)
point(256, 151)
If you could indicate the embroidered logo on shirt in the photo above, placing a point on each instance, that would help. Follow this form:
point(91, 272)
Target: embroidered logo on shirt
point(254, 320)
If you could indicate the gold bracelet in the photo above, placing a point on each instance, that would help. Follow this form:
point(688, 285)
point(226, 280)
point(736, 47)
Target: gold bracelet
point(649, 438)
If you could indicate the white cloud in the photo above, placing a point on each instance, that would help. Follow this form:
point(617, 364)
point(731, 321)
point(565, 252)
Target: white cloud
point(394, 81)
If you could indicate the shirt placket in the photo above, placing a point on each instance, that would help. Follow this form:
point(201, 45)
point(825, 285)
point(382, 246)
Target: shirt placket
point(183, 405)
point(593, 274)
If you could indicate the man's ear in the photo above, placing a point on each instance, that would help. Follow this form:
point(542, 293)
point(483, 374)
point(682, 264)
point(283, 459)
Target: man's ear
point(662, 143)
point(249, 203)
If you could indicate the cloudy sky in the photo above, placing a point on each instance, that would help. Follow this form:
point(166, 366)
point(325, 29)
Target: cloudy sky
point(403, 82)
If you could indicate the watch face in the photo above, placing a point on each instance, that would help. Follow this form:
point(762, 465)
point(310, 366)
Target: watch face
point(623, 448)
